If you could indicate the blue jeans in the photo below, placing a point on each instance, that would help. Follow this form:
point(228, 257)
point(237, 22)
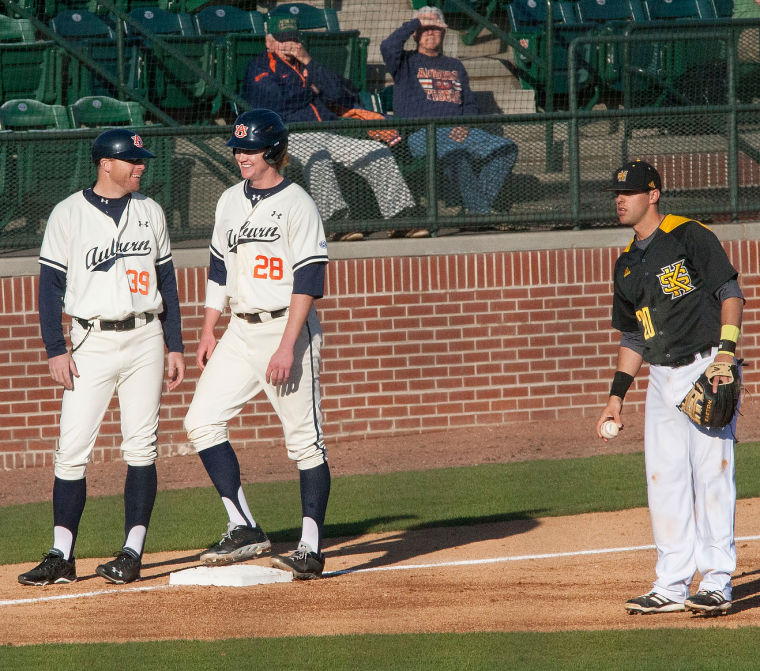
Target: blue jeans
point(498, 155)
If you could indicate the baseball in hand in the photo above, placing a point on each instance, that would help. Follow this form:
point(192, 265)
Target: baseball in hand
point(609, 429)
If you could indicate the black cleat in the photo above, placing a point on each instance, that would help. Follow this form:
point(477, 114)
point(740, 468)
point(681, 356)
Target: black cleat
point(303, 563)
point(708, 603)
point(53, 569)
point(653, 603)
point(125, 568)
point(239, 543)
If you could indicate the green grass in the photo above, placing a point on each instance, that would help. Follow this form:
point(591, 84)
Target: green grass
point(672, 649)
point(194, 518)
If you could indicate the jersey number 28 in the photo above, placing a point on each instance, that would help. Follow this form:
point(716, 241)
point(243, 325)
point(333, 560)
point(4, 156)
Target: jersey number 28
point(267, 268)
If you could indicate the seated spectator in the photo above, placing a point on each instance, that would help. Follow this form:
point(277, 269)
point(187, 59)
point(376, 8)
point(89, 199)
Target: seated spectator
point(287, 80)
point(428, 84)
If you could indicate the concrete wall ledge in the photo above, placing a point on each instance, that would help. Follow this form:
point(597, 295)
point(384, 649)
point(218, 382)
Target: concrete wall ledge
point(195, 254)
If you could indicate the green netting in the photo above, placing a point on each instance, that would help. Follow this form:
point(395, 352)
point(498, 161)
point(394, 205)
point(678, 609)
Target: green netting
point(578, 86)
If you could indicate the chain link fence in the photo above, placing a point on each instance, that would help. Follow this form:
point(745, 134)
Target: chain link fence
point(683, 95)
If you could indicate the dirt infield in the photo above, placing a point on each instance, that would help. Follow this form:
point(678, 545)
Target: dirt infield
point(534, 575)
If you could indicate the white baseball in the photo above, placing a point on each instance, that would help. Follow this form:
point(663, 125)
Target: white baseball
point(610, 429)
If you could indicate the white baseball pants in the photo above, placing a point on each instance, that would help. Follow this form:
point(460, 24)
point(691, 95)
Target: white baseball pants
point(132, 363)
point(690, 486)
point(236, 372)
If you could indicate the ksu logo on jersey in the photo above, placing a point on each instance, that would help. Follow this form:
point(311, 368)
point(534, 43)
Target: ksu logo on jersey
point(248, 233)
point(102, 260)
point(675, 280)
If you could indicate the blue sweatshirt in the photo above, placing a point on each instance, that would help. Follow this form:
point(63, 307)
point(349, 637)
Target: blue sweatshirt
point(425, 86)
point(277, 85)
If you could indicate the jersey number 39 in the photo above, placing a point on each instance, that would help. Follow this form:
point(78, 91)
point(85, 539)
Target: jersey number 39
point(139, 282)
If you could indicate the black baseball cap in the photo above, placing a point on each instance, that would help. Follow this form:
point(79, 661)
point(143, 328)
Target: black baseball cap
point(284, 28)
point(636, 176)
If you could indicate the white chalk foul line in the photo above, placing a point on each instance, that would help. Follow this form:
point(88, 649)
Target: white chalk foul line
point(61, 597)
point(498, 560)
point(403, 567)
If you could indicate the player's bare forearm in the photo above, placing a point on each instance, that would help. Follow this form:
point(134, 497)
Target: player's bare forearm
point(175, 370)
point(63, 370)
point(207, 340)
point(281, 362)
point(629, 361)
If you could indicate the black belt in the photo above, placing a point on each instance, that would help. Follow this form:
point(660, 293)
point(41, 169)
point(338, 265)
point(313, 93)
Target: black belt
point(123, 325)
point(704, 354)
point(256, 318)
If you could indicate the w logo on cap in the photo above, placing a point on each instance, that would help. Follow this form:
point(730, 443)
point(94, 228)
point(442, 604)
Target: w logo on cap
point(137, 141)
point(241, 130)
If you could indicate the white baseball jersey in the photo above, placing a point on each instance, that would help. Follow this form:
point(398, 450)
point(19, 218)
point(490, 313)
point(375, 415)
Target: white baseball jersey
point(263, 245)
point(110, 270)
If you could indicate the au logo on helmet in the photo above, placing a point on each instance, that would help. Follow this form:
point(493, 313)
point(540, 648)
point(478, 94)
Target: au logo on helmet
point(241, 130)
point(137, 141)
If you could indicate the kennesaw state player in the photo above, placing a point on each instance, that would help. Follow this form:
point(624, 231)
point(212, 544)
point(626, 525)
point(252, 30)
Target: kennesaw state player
point(105, 260)
point(268, 258)
point(679, 307)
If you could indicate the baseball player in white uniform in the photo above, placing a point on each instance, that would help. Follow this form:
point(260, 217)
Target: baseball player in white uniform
point(268, 258)
point(106, 261)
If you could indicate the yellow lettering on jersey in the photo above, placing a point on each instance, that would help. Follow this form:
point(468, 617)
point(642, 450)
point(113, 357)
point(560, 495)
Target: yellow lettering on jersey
point(675, 280)
point(645, 318)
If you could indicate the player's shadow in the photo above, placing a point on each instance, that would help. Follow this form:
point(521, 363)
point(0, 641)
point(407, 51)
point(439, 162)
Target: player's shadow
point(746, 596)
point(424, 539)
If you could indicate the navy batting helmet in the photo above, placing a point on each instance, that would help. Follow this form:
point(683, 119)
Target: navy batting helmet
point(120, 143)
point(260, 129)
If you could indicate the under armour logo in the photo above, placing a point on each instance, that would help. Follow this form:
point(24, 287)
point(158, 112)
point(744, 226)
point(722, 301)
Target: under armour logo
point(104, 200)
point(143, 223)
point(276, 214)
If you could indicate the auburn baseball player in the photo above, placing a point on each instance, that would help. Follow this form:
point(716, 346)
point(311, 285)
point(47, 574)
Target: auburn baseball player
point(679, 307)
point(268, 258)
point(105, 261)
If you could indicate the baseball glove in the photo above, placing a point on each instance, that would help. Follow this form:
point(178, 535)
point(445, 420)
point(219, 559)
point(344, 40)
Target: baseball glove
point(713, 409)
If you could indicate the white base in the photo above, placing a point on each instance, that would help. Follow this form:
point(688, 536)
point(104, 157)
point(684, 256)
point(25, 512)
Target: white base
point(240, 575)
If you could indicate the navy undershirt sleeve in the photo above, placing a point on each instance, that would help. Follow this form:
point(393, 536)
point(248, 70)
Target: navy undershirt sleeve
point(310, 280)
point(217, 271)
point(52, 288)
point(170, 317)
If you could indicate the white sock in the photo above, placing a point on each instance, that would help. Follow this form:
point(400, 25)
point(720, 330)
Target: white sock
point(63, 540)
point(310, 534)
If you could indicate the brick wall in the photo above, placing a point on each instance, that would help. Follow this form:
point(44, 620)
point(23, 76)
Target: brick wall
point(412, 344)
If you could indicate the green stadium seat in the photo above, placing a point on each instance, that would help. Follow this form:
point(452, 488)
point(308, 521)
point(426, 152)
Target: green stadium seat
point(24, 151)
point(342, 52)
point(91, 36)
point(225, 19)
point(157, 21)
point(31, 70)
point(528, 21)
point(94, 111)
point(308, 17)
point(16, 30)
point(658, 10)
point(237, 53)
point(29, 114)
point(52, 8)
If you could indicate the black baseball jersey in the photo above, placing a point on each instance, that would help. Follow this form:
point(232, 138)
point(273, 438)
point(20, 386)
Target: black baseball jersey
point(667, 291)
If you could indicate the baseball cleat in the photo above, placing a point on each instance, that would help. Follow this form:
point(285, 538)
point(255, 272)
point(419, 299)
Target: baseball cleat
point(125, 568)
point(303, 563)
point(239, 543)
point(708, 603)
point(53, 569)
point(653, 603)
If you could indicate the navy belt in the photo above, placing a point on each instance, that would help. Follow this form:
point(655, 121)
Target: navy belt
point(123, 325)
point(704, 354)
point(260, 317)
